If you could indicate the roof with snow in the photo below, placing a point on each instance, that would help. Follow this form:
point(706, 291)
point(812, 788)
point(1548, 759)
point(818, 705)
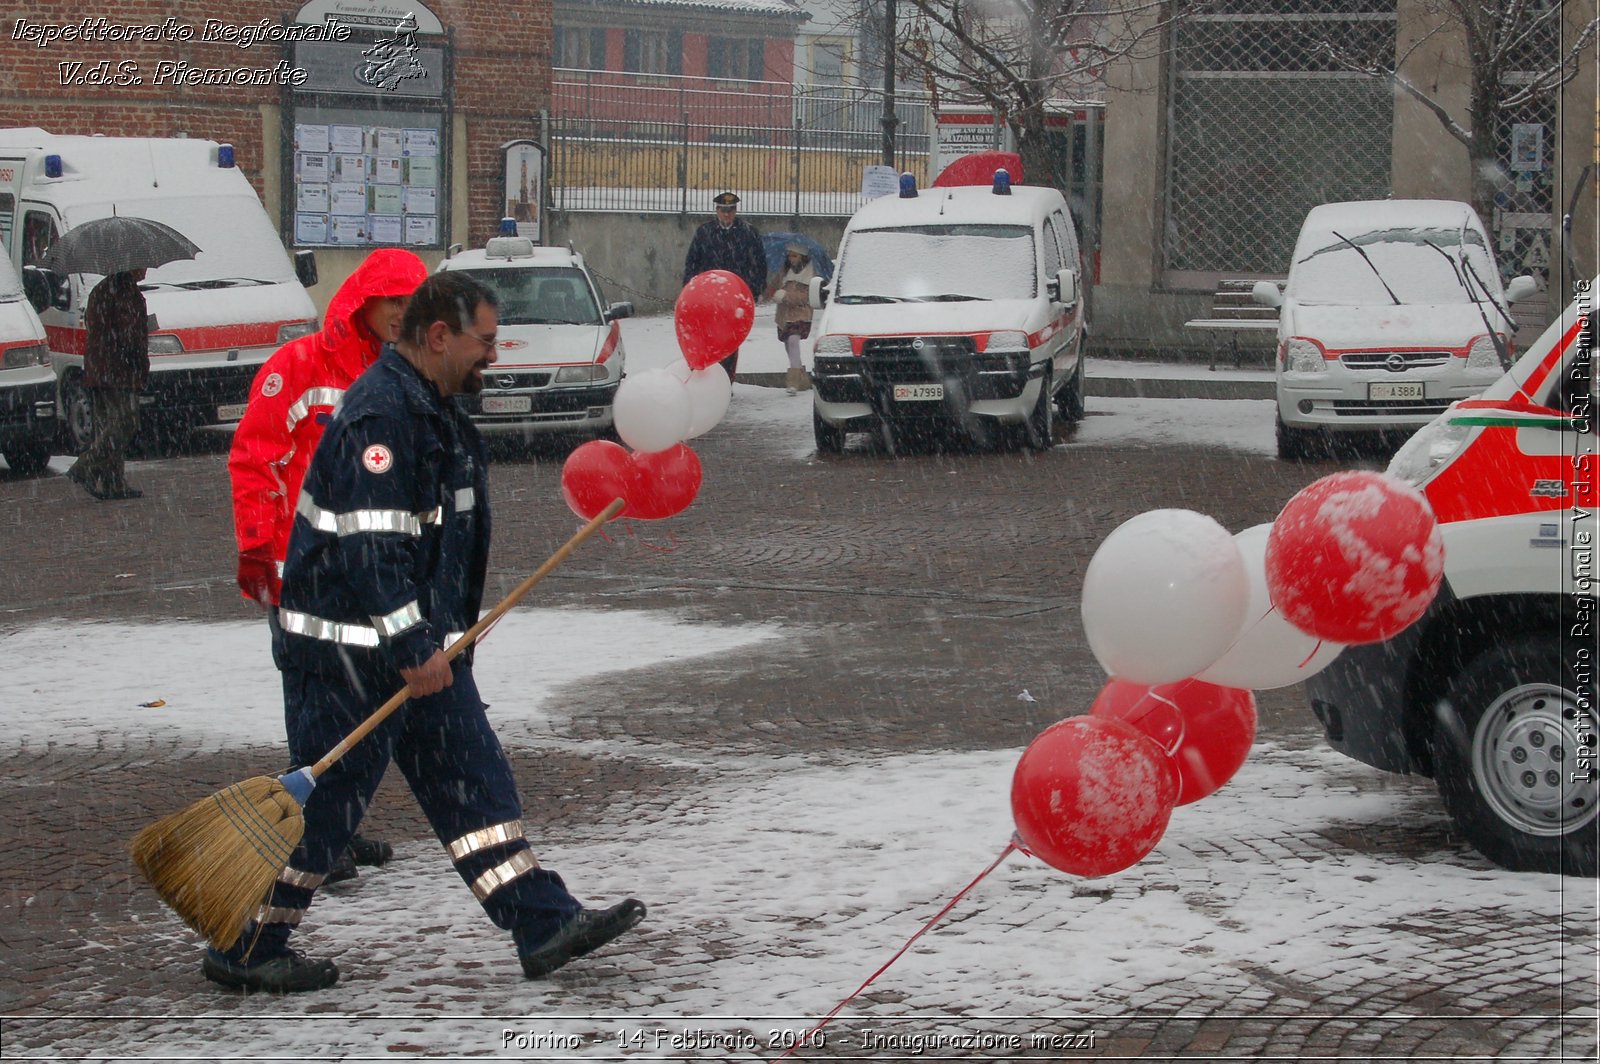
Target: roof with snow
point(1369, 215)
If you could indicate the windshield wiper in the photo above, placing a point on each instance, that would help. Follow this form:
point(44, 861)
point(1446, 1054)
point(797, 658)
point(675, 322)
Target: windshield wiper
point(1366, 259)
point(850, 300)
point(951, 297)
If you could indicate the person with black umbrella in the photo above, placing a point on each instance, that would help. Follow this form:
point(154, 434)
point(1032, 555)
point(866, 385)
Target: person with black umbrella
point(116, 368)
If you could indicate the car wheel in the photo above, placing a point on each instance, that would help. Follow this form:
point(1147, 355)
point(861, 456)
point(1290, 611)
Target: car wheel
point(1069, 402)
point(1299, 445)
point(1037, 433)
point(830, 439)
point(78, 425)
point(28, 459)
point(1514, 753)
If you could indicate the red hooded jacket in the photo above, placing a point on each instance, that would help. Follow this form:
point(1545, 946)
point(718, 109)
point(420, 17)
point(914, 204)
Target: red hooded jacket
point(293, 395)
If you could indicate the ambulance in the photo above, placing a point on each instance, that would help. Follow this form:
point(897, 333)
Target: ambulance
point(955, 306)
point(215, 318)
point(27, 383)
point(1492, 692)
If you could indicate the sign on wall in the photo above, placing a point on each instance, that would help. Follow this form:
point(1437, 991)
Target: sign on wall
point(524, 185)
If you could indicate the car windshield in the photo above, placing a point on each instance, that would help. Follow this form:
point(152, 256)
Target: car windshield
point(546, 296)
point(938, 263)
point(1407, 260)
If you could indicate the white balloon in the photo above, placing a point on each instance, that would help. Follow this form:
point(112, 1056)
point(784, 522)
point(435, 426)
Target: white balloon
point(709, 392)
point(1164, 596)
point(1270, 652)
point(651, 410)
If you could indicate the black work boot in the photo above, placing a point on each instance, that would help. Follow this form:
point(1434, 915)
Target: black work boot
point(290, 972)
point(365, 851)
point(587, 931)
point(344, 868)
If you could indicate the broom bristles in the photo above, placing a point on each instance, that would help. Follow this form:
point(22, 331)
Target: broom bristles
point(214, 862)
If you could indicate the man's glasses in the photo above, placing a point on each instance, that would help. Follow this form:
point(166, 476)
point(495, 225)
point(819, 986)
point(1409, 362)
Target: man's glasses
point(488, 345)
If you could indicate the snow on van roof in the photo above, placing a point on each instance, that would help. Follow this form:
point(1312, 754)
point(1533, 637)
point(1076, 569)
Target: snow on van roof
point(967, 203)
point(542, 256)
point(1370, 215)
point(101, 169)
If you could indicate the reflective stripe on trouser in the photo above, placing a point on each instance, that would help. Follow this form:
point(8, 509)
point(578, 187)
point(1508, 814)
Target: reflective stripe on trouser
point(444, 746)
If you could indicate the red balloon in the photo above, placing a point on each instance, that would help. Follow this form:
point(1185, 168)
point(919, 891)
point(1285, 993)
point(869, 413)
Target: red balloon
point(1092, 796)
point(1205, 728)
point(595, 474)
point(668, 482)
point(1354, 558)
point(712, 317)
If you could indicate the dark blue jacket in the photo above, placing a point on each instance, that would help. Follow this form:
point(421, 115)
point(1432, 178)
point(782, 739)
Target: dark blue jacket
point(391, 533)
point(736, 248)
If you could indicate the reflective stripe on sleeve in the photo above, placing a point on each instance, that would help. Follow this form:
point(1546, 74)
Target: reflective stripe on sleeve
point(484, 838)
point(313, 397)
point(358, 521)
point(518, 864)
point(466, 499)
point(402, 619)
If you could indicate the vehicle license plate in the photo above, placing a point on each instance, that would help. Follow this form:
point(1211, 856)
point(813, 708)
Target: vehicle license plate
point(1394, 390)
point(507, 404)
point(911, 393)
point(230, 412)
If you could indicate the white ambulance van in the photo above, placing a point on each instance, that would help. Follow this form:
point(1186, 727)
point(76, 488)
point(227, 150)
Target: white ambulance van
point(216, 317)
point(952, 305)
point(1492, 692)
point(27, 383)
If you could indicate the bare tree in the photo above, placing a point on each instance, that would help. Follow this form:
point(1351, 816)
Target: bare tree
point(1516, 56)
point(1018, 55)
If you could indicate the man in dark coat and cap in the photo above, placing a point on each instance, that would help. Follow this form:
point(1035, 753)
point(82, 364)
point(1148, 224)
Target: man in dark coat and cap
point(728, 243)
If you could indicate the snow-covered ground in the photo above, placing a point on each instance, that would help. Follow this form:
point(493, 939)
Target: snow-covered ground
point(777, 884)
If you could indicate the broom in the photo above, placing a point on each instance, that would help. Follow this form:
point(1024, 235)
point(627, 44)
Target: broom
point(214, 862)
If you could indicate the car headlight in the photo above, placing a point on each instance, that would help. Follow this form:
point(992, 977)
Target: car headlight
point(1484, 354)
point(1429, 447)
point(1007, 340)
point(28, 355)
point(581, 374)
point(165, 344)
point(294, 330)
point(835, 344)
point(1303, 356)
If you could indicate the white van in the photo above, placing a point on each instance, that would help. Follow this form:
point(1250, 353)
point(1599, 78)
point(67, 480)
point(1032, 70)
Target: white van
point(27, 383)
point(1393, 310)
point(217, 316)
point(956, 305)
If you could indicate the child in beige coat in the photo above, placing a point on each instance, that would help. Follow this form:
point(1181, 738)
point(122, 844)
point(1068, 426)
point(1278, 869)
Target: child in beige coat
point(790, 289)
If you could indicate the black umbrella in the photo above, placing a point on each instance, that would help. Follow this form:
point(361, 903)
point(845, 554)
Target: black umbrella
point(112, 245)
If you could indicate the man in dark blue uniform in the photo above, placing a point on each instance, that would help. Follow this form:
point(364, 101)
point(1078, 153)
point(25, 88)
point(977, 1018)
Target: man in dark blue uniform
point(386, 567)
point(728, 242)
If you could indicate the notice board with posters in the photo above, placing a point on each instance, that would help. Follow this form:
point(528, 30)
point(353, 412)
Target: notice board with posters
point(366, 145)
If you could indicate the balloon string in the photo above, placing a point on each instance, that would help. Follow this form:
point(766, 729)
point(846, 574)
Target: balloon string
point(672, 541)
point(805, 1038)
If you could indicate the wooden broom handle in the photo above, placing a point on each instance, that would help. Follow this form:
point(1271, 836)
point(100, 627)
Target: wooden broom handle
point(466, 640)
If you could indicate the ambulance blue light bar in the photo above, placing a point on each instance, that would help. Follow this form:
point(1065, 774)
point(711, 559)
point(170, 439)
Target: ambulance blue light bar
point(225, 156)
point(508, 227)
point(52, 166)
point(1002, 182)
point(908, 185)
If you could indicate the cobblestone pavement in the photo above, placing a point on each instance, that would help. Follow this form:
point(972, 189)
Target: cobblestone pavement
point(917, 587)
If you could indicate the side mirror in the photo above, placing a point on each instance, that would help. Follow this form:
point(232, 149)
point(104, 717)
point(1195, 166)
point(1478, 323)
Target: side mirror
point(1266, 294)
point(37, 287)
point(1063, 287)
point(817, 293)
point(1521, 288)
point(305, 267)
point(619, 310)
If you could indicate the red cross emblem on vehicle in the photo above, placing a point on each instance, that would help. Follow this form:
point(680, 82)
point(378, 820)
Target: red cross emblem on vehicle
point(377, 458)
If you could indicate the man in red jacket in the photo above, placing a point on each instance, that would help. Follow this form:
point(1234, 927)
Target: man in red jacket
point(292, 398)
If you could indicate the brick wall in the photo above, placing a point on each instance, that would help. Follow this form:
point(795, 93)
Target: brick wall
point(502, 80)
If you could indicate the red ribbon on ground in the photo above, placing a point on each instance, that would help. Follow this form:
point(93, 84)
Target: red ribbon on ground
point(806, 1038)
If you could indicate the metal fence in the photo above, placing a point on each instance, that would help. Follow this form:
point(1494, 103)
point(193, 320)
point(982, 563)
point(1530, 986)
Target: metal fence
point(1263, 126)
point(652, 143)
